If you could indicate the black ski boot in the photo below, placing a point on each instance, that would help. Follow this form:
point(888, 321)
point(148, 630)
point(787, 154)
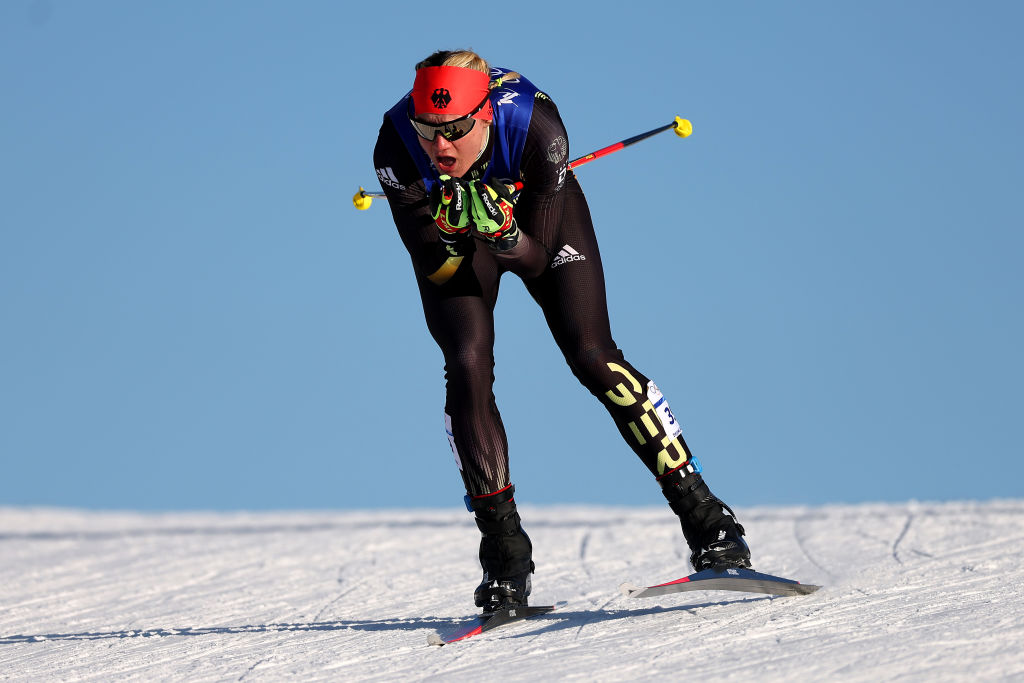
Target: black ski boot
point(505, 552)
point(709, 525)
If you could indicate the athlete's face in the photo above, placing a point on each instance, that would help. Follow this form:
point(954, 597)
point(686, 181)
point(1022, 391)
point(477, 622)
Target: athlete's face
point(454, 157)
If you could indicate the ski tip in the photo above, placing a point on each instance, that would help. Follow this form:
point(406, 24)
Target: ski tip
point(629, 589)
point(434, 639)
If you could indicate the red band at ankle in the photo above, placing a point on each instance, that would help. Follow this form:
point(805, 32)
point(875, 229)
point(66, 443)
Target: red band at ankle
point(488, 495)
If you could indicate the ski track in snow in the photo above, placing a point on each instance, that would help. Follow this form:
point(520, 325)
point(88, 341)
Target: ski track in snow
point(914, 591)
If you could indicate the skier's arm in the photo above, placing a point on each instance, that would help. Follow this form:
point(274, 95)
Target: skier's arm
point(410, 209)
point(544, 168)
point(538, 207)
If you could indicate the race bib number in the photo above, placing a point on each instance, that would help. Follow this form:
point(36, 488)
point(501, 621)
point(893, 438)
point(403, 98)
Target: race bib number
point(668, 420)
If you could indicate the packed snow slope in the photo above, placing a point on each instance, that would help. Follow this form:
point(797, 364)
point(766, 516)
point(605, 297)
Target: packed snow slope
point(911, 591)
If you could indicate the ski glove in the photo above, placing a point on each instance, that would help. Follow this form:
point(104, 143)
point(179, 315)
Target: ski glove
point(492, 205)
point(449, 207)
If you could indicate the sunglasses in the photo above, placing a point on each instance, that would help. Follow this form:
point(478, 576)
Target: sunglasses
point(450, 130)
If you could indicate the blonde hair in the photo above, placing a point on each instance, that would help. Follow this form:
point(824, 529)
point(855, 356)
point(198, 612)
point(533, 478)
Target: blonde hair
point(467, 59)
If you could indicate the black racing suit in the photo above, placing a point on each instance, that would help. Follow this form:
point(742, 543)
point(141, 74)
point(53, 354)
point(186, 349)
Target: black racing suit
point(558, 260)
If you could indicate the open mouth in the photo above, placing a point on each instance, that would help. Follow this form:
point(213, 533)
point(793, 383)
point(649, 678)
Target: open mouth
point(445, 163)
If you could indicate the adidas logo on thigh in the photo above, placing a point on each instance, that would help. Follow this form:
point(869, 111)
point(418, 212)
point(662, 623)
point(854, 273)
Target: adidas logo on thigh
point(567, 254)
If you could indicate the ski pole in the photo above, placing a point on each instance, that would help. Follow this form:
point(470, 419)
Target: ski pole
point(363, 199)
point(682, 127)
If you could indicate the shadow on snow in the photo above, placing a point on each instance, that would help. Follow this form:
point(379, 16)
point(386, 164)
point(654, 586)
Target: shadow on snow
point(555, 621)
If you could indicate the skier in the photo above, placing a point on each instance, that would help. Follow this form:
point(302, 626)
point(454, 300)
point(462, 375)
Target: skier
point(448, 156)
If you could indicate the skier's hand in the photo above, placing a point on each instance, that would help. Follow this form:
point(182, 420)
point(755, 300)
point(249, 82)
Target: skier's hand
point(449, 207)
point(492, 206)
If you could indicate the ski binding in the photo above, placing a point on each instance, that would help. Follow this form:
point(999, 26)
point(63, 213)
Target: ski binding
point(489, 621)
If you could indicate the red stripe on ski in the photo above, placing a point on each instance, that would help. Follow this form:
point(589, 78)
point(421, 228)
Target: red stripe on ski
point(685, 579)
point(472, 632)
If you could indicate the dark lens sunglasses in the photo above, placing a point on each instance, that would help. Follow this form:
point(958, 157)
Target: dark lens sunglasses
point(450, 130)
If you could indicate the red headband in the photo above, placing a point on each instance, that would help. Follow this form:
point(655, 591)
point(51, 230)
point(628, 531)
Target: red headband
point(451, 90)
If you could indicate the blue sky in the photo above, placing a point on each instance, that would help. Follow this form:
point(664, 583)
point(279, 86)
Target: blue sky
point(824, 279)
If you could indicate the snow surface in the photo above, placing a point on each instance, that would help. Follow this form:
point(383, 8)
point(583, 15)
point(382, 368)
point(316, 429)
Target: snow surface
point(912, 591)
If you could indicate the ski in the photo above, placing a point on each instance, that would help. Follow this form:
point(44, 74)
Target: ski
point(490, 621)
point(732, 579)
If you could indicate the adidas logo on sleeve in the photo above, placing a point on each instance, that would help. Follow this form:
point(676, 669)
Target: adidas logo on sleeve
point(565, 255)
point(387, 177)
